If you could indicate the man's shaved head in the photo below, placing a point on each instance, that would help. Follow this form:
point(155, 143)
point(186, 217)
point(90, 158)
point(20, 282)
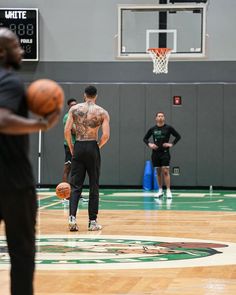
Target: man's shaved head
point(6, 34)
point(10, 51)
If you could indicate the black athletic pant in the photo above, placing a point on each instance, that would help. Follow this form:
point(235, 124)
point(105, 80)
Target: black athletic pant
point(18, 210)
point(86, 158)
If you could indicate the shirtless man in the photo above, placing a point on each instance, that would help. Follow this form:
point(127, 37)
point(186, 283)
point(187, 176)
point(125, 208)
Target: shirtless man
point(87, 118)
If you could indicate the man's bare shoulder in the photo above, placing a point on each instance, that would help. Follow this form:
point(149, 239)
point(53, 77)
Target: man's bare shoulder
point(89, 110)
point(102, 111)
point(78, 107)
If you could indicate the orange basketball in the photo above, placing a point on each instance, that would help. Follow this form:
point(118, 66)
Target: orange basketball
point(44, 96)
point(63, 190)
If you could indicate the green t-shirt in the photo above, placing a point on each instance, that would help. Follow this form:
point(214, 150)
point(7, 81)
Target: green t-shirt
point(72, 135)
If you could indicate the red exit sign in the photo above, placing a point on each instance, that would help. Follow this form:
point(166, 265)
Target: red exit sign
point(177, 100)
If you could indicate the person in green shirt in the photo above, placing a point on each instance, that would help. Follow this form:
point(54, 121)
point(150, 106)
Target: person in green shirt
point(67, 165)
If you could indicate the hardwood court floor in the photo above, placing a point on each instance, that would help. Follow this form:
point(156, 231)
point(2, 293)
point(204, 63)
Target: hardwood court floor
point(134, 214)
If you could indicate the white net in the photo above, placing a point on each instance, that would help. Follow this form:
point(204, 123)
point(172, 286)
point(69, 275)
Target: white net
point(160, 58)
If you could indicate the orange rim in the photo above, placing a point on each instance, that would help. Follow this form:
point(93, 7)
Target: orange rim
point(160, 51)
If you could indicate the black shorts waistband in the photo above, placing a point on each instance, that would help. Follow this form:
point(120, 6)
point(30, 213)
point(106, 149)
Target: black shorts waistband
point(86, 141)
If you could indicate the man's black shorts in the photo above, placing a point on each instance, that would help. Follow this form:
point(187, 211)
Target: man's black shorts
point(161, 159)
point(68, 155)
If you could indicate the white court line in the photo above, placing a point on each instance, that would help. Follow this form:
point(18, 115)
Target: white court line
point(230, 195)
point(49, 194)
point(87, 194)
point(191, 195)
point(151, 194)
point(54, 194)
point(200, 207)
point(50, 205)
point(138, 194)
point(125, 205)
point(154, 202)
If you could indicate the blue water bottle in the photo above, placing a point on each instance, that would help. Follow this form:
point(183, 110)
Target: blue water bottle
point(148, 176)
point(155, 183)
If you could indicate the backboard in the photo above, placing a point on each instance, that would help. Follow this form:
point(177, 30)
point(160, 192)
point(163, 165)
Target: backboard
point(180, 27)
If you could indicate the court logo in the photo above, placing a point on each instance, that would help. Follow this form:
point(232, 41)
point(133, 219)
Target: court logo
point(123, 252)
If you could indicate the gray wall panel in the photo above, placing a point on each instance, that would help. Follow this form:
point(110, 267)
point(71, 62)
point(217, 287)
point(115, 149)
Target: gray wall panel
point(52, 156)
point(130, 72)
point(229, 135)
point(76, 90)
point(210, 135)
point(132, 126)
point(206, 122)
point(108, 98)
point(52, 160)
point(184, 121)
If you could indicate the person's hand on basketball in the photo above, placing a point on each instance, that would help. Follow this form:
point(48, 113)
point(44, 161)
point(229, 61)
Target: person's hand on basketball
point(153, 146)
point(51, 119)
point(45, 98)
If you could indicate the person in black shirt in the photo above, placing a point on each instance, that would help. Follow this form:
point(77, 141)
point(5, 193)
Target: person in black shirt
point(161, 133)
point(67, 165)
point(18, 203)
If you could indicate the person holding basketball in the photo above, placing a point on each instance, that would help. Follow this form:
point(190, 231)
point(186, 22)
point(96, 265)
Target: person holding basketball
point(67, 165)
point(87, 118)
point(18, 204)
point(160, 146)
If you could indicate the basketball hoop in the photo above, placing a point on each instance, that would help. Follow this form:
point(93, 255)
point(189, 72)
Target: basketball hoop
point(160, 58)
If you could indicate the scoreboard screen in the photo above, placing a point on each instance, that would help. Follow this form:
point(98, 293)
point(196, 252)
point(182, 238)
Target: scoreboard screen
point(24, 23)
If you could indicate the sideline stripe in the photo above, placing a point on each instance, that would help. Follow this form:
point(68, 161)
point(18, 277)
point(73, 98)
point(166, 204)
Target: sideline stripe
point(154, 202)
point(50, 205)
